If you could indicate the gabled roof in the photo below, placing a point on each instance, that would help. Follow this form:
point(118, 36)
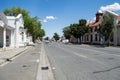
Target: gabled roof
point(3, 18)
point(94, 24)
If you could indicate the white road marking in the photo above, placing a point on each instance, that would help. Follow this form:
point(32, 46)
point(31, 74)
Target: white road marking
point(53, 68)
point(80, 55)
point(83, 56)
point(37, 60)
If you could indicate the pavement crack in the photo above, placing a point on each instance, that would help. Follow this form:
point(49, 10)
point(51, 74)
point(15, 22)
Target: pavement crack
point(106, 70)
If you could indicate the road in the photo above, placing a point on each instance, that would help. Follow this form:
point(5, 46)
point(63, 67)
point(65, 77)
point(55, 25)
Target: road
point(23, 67)
point(83, 62)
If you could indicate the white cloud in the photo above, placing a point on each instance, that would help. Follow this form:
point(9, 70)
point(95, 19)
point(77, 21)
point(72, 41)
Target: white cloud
point(49, 18)
point(94, 18)
point(113, 7)
point(44, 20)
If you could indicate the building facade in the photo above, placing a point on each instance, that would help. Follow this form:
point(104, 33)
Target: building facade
point(93, 36)
point(12, 32)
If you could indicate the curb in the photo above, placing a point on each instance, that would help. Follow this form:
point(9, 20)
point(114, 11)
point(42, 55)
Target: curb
point(44, 67)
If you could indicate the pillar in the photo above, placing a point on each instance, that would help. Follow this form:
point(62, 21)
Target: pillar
point(4, 37)
point(115, 32)
point(12, 38)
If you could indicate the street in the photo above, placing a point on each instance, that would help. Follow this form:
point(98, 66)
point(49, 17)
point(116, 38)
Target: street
point(23, 67)
point(83, 62)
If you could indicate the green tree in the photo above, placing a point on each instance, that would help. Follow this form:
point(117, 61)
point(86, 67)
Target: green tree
point(66, 32)
point(74, 30)
point(78, 30)
point(15, 11)
point(56, 36)
point(106, 27)
point(83, 28)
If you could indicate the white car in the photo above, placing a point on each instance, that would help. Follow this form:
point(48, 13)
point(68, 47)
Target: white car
point(65, 41)
point(46, 41)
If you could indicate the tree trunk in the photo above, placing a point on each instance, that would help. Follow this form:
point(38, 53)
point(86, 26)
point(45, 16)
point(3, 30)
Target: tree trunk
point(109, 41)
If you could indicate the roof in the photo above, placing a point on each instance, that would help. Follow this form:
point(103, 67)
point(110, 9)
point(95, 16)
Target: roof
point(3, 18)
point(94, 24)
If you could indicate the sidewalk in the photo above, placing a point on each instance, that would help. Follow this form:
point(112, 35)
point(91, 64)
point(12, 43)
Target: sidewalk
point(6, 55)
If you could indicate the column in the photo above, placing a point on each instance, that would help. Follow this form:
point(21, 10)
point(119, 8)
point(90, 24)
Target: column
point(4, 37)
point(16, 34)
point(12, 38)
point(115, 31)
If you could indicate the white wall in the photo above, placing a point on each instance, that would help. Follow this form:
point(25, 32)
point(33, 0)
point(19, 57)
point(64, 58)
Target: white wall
point(1, 37)
point(118, 32)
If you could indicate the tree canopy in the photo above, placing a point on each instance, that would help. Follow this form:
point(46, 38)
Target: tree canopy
point(31, 24)
point(56, 36)
point(106, 27)
point(77, 29)
point(66, 32)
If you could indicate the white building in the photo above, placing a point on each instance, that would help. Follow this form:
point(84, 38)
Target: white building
point(93, 37)
point(12, 32)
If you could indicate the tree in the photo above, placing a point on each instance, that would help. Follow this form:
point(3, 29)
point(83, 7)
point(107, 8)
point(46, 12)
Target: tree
point(83, 28)
point(78, 30)
point(15, 11)
point(56, 36)
point(74, 30)
point(106, 27)
point(66, 32)
point(32, 25)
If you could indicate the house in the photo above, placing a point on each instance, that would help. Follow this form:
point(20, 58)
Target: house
point(93, 36)
point(12, 32)
point(116, 37)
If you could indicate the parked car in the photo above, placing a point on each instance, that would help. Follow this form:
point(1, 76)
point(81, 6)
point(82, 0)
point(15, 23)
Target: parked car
point(65, 41)
point(47, 41)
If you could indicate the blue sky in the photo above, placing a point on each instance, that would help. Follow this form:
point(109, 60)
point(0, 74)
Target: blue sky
point(57, 14)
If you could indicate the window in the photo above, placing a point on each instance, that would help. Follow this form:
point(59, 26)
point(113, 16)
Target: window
point(96, 28)
point(95, 37)
point(87, 37)
point(7, 38)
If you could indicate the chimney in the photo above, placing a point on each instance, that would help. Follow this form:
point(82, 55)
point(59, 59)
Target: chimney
point(99, 14)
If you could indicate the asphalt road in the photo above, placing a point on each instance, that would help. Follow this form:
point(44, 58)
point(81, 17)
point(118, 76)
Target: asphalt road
point(23, 67)
point(83, 62)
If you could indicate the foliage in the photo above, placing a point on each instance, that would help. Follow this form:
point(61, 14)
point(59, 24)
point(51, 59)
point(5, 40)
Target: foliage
point(56, 36)
point(15, 11)
point(76, 30)
point(83, 28)
point(32, 25)
point(66, 32)
point(106, 27)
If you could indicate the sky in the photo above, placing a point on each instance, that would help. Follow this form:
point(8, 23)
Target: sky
point(57, 14)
